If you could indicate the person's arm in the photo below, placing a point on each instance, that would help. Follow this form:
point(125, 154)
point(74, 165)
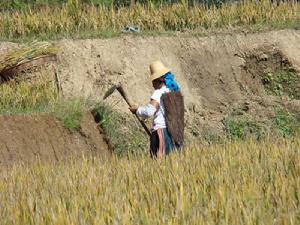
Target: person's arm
point(147, 110)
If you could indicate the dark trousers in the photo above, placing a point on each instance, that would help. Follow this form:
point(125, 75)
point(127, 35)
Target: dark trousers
point(161, 140)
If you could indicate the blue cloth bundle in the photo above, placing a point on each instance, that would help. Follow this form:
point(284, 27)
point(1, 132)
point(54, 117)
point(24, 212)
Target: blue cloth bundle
point(170, 82)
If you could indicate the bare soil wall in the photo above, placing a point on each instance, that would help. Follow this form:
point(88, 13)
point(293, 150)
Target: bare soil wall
point(27, 138)
point(212, 70)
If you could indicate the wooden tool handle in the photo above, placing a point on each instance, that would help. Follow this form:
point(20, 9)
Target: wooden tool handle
point(143, 125)
point(124, 95)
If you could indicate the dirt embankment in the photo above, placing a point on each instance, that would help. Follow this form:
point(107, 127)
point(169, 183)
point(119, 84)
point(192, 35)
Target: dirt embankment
point(217, 73)
point(27, 138)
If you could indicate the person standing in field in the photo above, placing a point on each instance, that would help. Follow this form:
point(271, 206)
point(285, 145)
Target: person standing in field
point(166, 92)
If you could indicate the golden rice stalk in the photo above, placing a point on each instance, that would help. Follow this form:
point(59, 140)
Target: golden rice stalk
point(27, 53)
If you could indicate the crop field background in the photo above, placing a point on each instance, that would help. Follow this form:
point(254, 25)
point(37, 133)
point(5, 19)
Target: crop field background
point(75, 18)
point(248, 175)
point(234, 183)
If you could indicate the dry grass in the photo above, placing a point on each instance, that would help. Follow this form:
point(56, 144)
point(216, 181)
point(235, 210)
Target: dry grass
point(27, 94)
point(75, 20)
point(26, 53)
point(234, 183)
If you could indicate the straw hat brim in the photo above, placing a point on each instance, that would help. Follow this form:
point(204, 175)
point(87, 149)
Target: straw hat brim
point(159, 73)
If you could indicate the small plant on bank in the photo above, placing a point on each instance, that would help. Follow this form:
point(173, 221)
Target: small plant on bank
point(70, 112)
point(282, 82)
point(241, 128)
point(287, 123)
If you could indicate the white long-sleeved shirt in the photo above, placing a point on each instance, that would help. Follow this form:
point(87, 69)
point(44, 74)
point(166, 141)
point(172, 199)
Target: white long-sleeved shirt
point(159, 120)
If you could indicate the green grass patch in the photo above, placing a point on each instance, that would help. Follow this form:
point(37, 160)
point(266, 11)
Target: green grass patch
point(122, 130)
point(287, 124)
point(242, 128)
point(70, 112)
point(282, 82)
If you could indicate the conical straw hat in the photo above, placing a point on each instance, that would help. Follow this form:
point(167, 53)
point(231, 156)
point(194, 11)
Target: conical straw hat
point(157, 69)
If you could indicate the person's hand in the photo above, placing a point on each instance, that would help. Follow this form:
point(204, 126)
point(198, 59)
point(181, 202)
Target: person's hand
point(133, 109)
